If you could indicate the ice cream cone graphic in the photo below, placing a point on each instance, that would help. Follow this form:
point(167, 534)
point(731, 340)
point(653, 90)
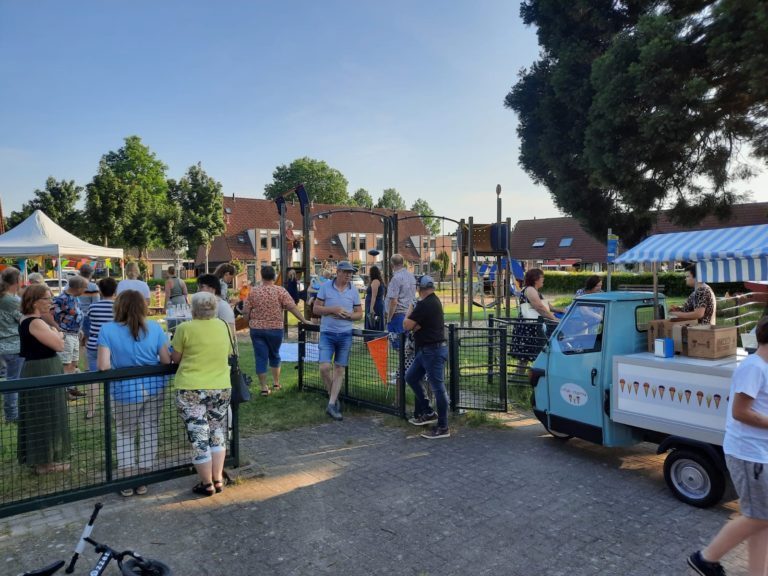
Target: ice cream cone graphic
point(653, 391)
point(646, 386)
point(687, 396)
point(700, 396)
point(661, 392)
point(717, 400)
point(679, 396)
point(672, 393)
point(622, 382)
point(636, 385)
point(709, 400)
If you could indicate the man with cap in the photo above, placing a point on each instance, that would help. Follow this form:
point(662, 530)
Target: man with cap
point(400, 292)
point(426, 323)
point(338, 304)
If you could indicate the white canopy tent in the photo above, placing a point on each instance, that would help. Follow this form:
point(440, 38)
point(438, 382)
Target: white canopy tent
point(38, 235)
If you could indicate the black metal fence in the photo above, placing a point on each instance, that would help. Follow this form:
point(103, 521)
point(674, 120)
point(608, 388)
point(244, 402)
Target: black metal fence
point(65, 447)
point(478, 368)
point(380, 387)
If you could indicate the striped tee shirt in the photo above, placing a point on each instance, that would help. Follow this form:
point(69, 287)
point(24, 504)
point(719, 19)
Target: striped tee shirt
point(100, 313)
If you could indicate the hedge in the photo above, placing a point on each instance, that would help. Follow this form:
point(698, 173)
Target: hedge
point(190, 282)
point(673, 282)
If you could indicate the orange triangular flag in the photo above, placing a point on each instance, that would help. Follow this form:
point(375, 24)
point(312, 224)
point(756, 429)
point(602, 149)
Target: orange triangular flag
point(379, 348)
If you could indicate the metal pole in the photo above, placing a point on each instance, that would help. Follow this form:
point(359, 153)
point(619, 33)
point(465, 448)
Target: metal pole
point(608, 265)
point(508, 279)
point(306, 247)
point(460, 243)
point(499, 275)
point(470, 269)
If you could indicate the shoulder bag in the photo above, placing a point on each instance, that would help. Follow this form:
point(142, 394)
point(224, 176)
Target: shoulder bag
point(240, 382)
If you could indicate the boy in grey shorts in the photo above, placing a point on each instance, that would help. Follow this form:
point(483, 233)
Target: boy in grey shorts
point(746, 454)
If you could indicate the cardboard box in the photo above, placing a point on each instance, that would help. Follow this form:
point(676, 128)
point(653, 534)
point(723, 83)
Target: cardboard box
point(669, 328)
point(708, 341)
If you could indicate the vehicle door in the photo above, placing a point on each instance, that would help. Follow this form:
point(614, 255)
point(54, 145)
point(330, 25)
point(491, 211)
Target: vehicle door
point(574, 369)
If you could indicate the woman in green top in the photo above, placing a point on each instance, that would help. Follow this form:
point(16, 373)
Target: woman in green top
point(10, 315)
point(201, 348)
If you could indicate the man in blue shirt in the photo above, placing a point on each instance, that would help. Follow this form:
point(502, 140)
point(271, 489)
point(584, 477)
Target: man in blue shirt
point(338, 304)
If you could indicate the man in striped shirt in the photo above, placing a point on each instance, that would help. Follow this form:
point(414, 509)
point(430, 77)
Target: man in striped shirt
point(99, 313)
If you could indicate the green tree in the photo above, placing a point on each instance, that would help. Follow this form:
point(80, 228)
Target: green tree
point(58, 201)
point(362, 198)
point(640, 105)
point(325, 185)
point(127, 201)
point(445, 263)
point(423, 208)
point(391, 199)
point(202, 206)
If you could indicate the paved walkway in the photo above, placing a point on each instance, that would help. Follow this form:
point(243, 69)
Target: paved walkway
point(367, 496)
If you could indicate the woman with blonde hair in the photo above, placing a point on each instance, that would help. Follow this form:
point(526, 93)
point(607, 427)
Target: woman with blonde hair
point(43, 432)
point(132, 282)
point(132, 340)
point(202, 348)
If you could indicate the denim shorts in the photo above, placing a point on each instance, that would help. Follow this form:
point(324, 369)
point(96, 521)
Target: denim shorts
point(266, 348)
point(336, 346)
point(751, 483)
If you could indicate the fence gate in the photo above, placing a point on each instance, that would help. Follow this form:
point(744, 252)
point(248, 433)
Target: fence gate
point(478, 368)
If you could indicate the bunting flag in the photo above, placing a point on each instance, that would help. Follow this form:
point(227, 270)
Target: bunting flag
point(379, 349)
point(108, 262)
point(64, 262)
point(22, 266)
point(54, 262)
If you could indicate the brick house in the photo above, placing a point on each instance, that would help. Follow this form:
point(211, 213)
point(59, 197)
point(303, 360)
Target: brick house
point(252, 230)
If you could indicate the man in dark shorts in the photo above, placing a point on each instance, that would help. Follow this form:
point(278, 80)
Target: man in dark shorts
point(426, 323)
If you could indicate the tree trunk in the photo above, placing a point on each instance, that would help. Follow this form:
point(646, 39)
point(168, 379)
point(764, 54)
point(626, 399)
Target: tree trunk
point(207, 249)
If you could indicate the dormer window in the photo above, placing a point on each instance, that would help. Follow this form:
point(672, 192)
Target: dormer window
point(241, 238)
point(227, 210)
point(565, 241)
point(539, 242)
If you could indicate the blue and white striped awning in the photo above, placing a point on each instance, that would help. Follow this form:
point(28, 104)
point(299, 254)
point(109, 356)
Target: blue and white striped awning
point(721, 255)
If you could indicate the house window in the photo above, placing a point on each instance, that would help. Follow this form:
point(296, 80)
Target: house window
point(274, 241)
point(379, 243)
point(539, 242)
point(353, 242)
point(454, 245)
point(263, 241)
point(241, 239)
point(566, 241)
point(363, 243)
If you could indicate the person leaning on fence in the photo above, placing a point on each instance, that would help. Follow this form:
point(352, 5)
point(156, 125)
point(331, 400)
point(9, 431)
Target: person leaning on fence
point(701, 304)
point(99, 314)
point(264, 310)
point(338, 302)
point(10, 315)
point(132, 340)
point(426, 323)
point(400, 292)
point(746, 455)
point(201, 348)
point(43, 425)
point(532, 303)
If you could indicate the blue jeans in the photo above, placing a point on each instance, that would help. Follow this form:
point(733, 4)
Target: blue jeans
point(395, 326)
point(430, 360)
point(13, 365)
point(335, 346)
point(266, 348)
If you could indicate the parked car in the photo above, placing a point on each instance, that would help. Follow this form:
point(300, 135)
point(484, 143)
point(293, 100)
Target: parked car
point(358, 282)
point(53, 284)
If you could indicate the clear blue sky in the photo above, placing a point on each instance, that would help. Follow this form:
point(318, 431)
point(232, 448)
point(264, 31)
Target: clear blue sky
point(405, 94)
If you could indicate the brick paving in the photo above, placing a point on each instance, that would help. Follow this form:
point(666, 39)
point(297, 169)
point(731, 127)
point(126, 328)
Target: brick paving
point(368, 496)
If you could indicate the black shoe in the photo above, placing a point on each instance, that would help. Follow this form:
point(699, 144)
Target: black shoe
point(436, 433)
point(701, 566)
point(424, 419)
point(333, 412)
point(338, 405)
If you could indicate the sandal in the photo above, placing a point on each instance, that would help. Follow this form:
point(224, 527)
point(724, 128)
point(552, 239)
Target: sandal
point(127, 492)
point(218, 485)
point(204, 489)
point(276, 386)
point(266, 392)
point(140, 490)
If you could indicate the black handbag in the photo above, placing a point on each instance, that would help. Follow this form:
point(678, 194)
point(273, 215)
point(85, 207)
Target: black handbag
point(240, 381)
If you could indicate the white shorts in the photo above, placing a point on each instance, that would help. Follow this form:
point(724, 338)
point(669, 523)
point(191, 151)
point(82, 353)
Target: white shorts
point(71, 352)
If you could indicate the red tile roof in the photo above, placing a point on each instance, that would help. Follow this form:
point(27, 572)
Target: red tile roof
point(243, 214)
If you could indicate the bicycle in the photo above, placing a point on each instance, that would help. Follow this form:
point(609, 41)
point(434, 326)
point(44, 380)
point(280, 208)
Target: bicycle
point(129, 563)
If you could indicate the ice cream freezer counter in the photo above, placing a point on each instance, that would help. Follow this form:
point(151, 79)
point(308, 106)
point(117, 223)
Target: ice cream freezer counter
point(679, 396)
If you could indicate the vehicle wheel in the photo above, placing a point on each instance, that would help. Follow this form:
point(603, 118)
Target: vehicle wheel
point(131, 567)
point(694, 478)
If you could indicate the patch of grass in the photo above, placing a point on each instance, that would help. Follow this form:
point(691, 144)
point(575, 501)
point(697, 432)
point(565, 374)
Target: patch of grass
point(477, 418)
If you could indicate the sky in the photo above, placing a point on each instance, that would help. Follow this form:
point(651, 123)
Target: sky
point(400, 94)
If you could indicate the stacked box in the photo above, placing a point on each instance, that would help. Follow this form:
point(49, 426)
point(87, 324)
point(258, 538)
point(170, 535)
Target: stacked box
point(707, 341)
point(667, 329)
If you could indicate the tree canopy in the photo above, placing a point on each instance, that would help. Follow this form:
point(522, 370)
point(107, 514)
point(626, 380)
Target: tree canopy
point(58, 201)
point(640, 105)
point(362, 198)
point(201, 203)
point(390, 198)
point(423, 208)
point(325, 185)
